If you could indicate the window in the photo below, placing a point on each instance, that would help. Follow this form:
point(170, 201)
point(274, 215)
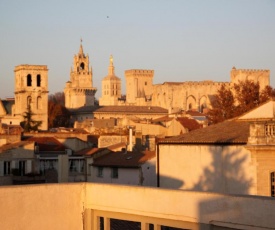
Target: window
point(100, 171)
point(114, 173)
point(272, 184)
point(145, 83)
point(7, 168)
point(29, 101)
point(22, 168)
point(38, 80)
point(76, 165)
point(47, 164)
point(82, 66)
point(29, 80)
point(39, 103)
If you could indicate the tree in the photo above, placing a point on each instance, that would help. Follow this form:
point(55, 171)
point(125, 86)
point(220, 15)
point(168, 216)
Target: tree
point(223, 105)
point(29, 124)
point(234, 101)
point(58, 115)
point(58, 98)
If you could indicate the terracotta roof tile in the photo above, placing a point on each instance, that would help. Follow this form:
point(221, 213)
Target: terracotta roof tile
point(227, 132)
point(189, 123)
point(131, 109)
point(48, 144)
point(195, 113)
point(124, 160)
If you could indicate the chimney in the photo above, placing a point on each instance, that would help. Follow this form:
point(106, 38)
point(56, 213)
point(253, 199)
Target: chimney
point(130, 139)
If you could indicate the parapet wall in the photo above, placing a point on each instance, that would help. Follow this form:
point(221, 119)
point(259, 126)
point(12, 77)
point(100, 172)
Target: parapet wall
point(79, 206)
point(139, 73)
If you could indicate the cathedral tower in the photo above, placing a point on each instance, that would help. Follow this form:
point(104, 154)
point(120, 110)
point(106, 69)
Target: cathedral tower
point(111, 87)
point(79, 91)
point(31, 90)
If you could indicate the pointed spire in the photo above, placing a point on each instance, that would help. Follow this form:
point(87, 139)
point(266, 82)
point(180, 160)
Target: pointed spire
point(81, 48)
point(111, 66)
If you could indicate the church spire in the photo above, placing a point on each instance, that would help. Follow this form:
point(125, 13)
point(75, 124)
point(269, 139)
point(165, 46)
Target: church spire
point(81, 48)
point(111, 66)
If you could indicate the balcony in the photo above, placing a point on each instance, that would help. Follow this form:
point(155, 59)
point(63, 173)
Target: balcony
point(102, 206)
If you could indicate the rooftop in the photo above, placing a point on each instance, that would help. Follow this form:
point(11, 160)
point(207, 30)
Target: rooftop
point(124, 159)
point(227, 132)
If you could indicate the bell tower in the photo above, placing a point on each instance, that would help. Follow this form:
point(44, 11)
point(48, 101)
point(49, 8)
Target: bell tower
point(31, 91)
point(79, 91)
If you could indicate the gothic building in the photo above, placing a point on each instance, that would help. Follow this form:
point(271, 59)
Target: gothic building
point(31, 91)
point(79, 91)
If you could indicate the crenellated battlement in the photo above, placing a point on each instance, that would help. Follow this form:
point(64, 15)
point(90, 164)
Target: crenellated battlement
point(139, 73)
point(196, 83)
point(258, 75)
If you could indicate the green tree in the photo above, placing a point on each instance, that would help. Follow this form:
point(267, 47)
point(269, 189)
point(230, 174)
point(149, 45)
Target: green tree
point(29, 124)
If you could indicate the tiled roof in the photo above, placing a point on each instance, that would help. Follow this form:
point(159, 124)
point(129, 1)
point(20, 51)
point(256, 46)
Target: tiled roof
point(227, 132)
point(92, 151)
point(48, 144)
point(124, 160)
point(189, 123)
point(195, 113)
point(84, 109)
point(163, 119)
point(130, 109)
point(89, 151)
point(14, 145)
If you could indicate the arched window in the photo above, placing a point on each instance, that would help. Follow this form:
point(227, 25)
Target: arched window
point(39, 103)
point(272, 184)
point(29, 101)
point(38, 80)
point(29, 80)
point(82, 66)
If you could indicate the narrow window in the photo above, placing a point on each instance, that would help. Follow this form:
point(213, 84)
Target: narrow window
point(29, 101)
point(38, 80)
point(22, 168)
point(29, 80)
point(272, 184)
point(7, 168)
point(114, 173)
point(82, 65)
point(100, 172)
point(39, 103)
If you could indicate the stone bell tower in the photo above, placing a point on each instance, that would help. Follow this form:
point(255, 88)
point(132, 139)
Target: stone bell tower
point(79, 91)
point(31, 91)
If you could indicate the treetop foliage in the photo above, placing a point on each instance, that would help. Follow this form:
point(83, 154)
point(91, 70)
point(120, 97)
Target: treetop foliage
point(232, 101)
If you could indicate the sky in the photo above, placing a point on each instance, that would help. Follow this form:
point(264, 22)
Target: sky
point(180, 40)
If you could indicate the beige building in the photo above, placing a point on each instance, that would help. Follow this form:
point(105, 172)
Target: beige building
point(111, 87)
point(176, 96)
point(233, 157)
point(125, 167)
point(79, 91)
point(31, 91)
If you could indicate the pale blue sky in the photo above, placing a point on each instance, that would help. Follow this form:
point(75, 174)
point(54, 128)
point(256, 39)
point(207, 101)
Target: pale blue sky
point(181, 40)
